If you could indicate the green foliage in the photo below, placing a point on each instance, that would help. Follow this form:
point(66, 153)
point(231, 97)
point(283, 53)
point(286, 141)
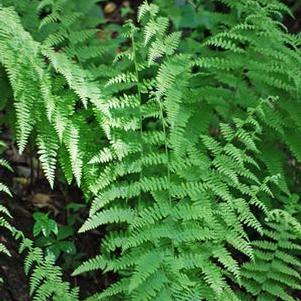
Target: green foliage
point(37, 105)
point(45, 277)
point(44, 224)
point(275, 272)
point(4, 213)
point(183, 146)
point(250, 58)
point(51, 237)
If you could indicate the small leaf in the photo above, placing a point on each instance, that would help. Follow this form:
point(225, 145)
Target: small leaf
point(44, 224)
point(67, 247)
point(64, 232)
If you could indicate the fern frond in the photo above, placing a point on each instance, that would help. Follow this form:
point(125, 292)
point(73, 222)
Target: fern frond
point(47, 149)
point(275, 269)
point(113, 215)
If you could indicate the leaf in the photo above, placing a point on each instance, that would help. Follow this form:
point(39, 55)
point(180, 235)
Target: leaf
point(65, 232)
point(44, 225)
point(67, 247)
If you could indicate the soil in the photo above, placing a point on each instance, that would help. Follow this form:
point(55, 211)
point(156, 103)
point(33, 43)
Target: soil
point(30, 190)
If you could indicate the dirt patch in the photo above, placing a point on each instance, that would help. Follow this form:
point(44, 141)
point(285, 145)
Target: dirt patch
point(32, 193)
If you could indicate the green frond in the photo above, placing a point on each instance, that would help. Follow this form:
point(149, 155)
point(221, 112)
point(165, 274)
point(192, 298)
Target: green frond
point(47, 150)
point(159, 48)
point(72, 145)
point(275, 269)
point(5, 189)
point(52, 18)
point(123, 191)
point(79, 80)
point(4, 250)
point(46, 277)
point(187, 150)
point(21, 72)
point(146, 266)
point(225, 258)
point(146, 8)
point(4, 163)
point(97, 263)
point(212, 274)
point(113, 215)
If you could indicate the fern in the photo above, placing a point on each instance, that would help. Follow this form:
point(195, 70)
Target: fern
point(4, 213)
point(24, 95)
point(45, 278)
point(68, 28)
point(183, 212)
point(275, 271)
point(41, 101)
point(172, 142)
point(254, 70)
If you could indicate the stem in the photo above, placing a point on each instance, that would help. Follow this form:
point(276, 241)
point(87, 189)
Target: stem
point(167, 164)
point(140, 112)
point(166, 150)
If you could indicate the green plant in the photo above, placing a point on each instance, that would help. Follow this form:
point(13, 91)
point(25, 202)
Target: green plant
point(184, 146)
point(275, 272)
point(45, 277)
point(72, 213)
point(54, 238)
point(4, 213)
point(253, 57)
point(170, 209)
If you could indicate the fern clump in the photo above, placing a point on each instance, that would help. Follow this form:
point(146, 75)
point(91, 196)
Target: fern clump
point(182, 143)
point(41, 102)
point(253, 57)
point(182, 201)
point(45, 277)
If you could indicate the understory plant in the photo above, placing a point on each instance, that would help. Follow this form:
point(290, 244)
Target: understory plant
point(183, 137)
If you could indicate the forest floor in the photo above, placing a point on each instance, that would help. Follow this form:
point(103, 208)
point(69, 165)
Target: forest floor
point(32, 193)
